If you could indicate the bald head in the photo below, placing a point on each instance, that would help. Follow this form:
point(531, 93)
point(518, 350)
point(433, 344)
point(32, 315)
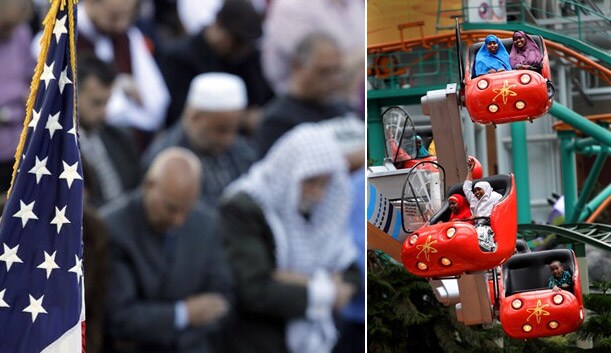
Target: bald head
point(171, 188)
point(176, 165)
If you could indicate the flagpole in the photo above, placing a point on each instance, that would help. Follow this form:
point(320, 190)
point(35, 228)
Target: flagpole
point(45, 41)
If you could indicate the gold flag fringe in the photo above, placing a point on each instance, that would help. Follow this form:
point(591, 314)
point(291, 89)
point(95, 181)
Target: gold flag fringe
point(45, 41)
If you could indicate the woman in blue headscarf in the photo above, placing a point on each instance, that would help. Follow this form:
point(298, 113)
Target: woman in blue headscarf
point(491, 57)
point(421, 151)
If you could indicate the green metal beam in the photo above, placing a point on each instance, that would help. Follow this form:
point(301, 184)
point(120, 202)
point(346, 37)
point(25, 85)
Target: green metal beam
point(584, 142)
point(593, 205)
point(402, 92)
point(594, 150)
point(569, 179)
point(375, 133)
point(531, 231)
point(586, 190)
point(597, 132)
point(558, 37)
point(520, 169)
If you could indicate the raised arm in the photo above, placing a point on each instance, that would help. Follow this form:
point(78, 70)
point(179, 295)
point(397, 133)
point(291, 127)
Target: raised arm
point(467, 185)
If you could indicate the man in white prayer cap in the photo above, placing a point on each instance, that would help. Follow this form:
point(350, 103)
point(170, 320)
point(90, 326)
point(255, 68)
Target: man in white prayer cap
point(209, 125)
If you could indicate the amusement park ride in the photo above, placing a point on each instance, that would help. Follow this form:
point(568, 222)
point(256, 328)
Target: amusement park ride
point(506, 284)
point(508, 96)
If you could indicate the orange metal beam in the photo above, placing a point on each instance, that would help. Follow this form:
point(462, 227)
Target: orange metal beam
point(599, 210)
point(562, 126)
point(377, 239)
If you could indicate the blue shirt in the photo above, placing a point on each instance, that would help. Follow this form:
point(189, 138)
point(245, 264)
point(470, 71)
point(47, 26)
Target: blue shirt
point(355, 310)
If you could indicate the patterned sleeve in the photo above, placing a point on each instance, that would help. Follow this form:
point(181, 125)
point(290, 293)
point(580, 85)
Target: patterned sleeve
point(569, 278)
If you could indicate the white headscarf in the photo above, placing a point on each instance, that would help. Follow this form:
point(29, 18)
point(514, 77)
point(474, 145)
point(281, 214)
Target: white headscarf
point(321, 242)
point(483, 207)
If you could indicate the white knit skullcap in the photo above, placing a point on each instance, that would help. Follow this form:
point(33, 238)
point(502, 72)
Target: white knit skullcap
point(217, 92)
point(348, 131)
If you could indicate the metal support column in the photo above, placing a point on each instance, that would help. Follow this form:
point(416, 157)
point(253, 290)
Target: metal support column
point(520, 168)
point(375, 129)
point(586, 189)
point(442, 106)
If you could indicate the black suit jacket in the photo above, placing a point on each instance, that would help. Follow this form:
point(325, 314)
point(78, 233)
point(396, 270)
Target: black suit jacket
point(124, 158)
point(192, 56)
point(146, 280)
point(264, 306)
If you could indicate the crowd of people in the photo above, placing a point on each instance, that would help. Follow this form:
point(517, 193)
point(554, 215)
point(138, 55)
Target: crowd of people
point(223, 154)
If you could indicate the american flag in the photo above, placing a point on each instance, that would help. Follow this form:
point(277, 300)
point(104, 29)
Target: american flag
point(41, 273)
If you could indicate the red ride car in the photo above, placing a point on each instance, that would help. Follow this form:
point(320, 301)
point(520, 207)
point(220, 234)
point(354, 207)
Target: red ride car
point(444, 248)
point(508, 96)
point(528, 309)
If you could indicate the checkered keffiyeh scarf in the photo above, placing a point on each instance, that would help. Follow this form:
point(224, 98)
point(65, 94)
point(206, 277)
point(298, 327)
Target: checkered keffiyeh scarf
point(322, 241)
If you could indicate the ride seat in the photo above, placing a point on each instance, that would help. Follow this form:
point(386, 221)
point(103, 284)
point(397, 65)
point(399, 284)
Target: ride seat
point(530, 271)
point(522, 246)
point(500, 183)
point(507, 43)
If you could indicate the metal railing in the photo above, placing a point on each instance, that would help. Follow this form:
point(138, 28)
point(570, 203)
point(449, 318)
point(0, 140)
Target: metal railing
point(415, 68)
point(570, 18)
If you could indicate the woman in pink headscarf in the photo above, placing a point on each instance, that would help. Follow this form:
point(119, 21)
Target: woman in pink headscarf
point(525, 53)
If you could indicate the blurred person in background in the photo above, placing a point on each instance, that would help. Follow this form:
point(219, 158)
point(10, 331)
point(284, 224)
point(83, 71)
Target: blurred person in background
point(140, 97)
point(288, 22)
point(108, 150)
point(349, 133)
point(15, 74)
point(209, 127)
point(312, 96)
point(170, 284)
point(293, 262)
point(196, 14)
point(228, 45)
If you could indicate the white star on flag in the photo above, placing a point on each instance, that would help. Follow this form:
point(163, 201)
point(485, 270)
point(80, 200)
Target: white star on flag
point(77, 268)
point(49, 263)
point(70, 173)
point(22, 158)
point(53, 124)
point(34, 120)
point(60, 28)
point(72, 131)
point(60, 218)
point(39, 240)
point(10, 256)
point(47, 74)
point(63, 80)
point(40, 169)
point(35, 307)
point(25, 212)
point(3, 304)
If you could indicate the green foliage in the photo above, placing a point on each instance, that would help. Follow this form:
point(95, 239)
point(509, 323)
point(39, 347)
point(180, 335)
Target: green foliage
point(404, 316)
point(598, 323)
point(600, 303)
point(371, 162)
point(603, 285)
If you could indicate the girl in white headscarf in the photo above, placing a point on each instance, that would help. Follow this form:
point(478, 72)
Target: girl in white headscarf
point(481, 200)
point(284, 224)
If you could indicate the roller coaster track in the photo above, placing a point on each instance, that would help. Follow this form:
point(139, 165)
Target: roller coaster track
point(595, 234)
point(555, 49)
